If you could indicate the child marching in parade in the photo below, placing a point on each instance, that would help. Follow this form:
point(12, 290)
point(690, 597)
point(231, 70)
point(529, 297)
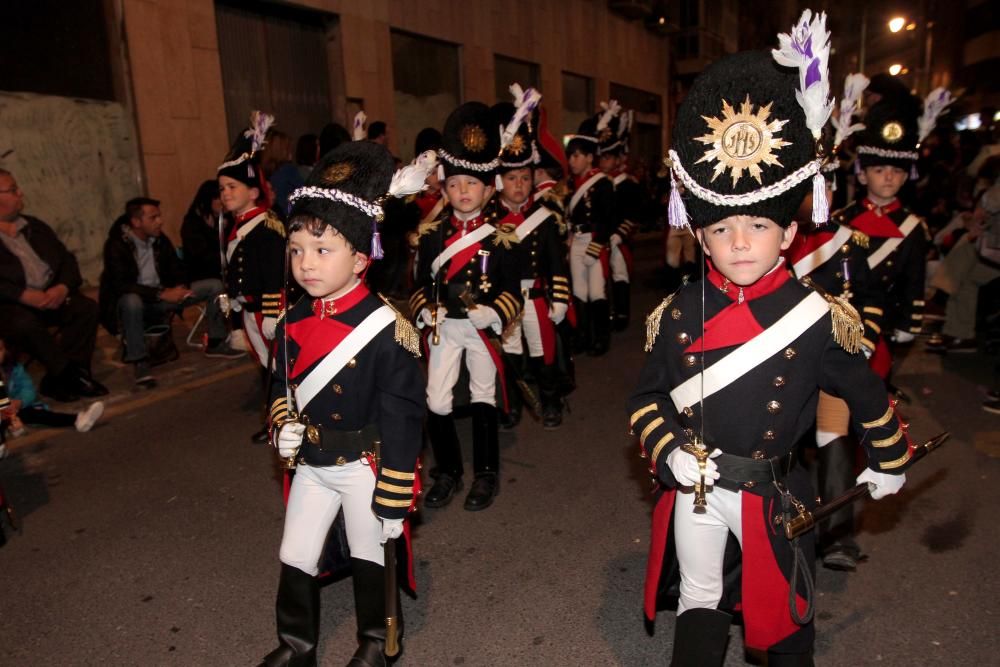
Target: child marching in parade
point(737, 360)
point(347, 400)
point(467, 295)
point(530, 230)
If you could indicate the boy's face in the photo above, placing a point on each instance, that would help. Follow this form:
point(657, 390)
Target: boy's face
point(580, 162)
point(883, 182)
point(609, 163)
point(744, 248)
point(517, 185)
point(236, 196)
point(324, 265)
point(466, 194)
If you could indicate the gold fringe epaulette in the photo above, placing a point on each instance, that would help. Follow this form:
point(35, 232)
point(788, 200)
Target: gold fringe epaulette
point(274, 223)
point(653, 321)
point(848, 329)
point(860, 239)
point(427, 227)
point(405, 334)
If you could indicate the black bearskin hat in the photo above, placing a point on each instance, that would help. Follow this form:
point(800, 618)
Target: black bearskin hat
point(242, 162)
point(521, 151)
point(891, 133)
point(428, 139)
point(739, 131)
point(345, 189)
point(470, 143)
point(585, 140)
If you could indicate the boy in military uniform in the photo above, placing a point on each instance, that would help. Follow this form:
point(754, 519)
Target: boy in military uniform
point(467, 295)
point(613, 151)
point(737, 360)
point(255, 249)
point(591, 215)
point(346, 379)
point(531, 230)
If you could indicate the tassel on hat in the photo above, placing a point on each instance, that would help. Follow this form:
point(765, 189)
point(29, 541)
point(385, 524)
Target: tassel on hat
point(821, 208)
point(677, 214)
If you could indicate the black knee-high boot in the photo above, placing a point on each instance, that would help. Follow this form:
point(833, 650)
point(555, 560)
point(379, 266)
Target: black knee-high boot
point(600, 312)
point(623, 307)
point(700, 638)
point(835, 475)
point(485, 457)
point(514, 367)
point(582, 334)
point(790, 659)
point(297, 612)
point(447, 459)
point(548, 392)
point(369, 607)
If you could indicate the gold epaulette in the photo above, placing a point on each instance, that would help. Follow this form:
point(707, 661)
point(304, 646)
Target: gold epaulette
point(274, 223)
point(406, 334)
point(848, 329)
point(653, 321)
point(427, 227)
point(860, 239)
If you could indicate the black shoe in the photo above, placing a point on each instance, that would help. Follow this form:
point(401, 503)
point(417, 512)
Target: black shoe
point(789, 659)
point(510, 420)
point(259, 437)
point(484, 489)
point(842, 557)
point(551, 419)
point(443, 490)
point(143, 376)
point(992, 405)
point(222, 350)
point(85, 384)
point(59, 388)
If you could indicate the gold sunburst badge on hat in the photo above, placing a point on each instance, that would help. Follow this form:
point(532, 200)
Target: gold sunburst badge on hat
point(742, 141)
point(892, 132)
point(473, 138)
point(515, 146)
point(336, 173)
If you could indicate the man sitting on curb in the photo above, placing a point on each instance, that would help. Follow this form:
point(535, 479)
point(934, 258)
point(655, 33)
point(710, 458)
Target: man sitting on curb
point(143, 282)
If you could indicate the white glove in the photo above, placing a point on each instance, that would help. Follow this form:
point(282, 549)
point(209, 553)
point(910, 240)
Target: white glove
point(684, 466)
point(483, 317)
point(616, 240)
point(900, 336)
point(391, 529)
point(426, 318)
point(867, 351)
point(290, 439)
point(881, 485)
point(557, 312)
point(268, 326)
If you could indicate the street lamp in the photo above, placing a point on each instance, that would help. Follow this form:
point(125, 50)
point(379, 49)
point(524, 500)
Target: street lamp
point(897, 24)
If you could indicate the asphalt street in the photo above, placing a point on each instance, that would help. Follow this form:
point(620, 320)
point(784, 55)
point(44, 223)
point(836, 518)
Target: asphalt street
point(153, 539)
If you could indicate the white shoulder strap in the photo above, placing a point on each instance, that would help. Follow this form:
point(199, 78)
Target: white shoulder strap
point(822, 254)
point(886, 248)
point(582, 190)
point(475, 236)
point(529, 225)
point(332, 363)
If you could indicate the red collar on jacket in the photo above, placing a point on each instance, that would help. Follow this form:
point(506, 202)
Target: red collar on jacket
point(544, 185)
point(249, 215)
point(323, 308)
point(875, 221)
point(516, 217)
point(735, 324)
point(582, 178)
point(469, 225)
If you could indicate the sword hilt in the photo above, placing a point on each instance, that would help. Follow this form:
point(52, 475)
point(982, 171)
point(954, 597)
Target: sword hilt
point(698, 450)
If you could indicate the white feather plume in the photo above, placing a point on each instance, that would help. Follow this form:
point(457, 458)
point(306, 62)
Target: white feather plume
point(525, 102)
point(611, 109)
point(358, 132)
point(626, 123)
point(807, 48)
point(260, 123)
point(413, 177)
point(854, 85)
point(934, 105)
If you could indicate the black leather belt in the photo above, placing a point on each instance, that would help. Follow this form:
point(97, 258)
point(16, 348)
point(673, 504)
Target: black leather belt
point(354, 443)
point(738, 473)
point(583, 228)
point(534, 293)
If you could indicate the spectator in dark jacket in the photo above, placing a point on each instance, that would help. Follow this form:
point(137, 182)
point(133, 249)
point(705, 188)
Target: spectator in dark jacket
point(40, 288)
point(200, 234)
point(143, 283)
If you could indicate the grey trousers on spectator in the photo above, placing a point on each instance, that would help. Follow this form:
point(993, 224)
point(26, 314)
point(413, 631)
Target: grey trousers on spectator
point(135, 315)
point(960, 275)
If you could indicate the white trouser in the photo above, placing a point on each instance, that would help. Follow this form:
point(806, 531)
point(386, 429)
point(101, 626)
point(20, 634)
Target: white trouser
point(832, 419)
point(443, 362)
point(586, 271)
point(527, 326)
point(700, 542)
point(317, 495)
point(258, 344)
point(619, 268)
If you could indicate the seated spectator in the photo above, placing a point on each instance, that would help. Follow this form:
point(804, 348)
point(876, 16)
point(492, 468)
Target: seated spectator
point(200, 234)
point(40, 288)
point(23, 406)
point(971, 264)
point(143, 284)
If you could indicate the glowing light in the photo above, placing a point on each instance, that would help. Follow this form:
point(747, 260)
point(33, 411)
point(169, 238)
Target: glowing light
point(661, 20)
point(895, 69)
point(897, 24)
